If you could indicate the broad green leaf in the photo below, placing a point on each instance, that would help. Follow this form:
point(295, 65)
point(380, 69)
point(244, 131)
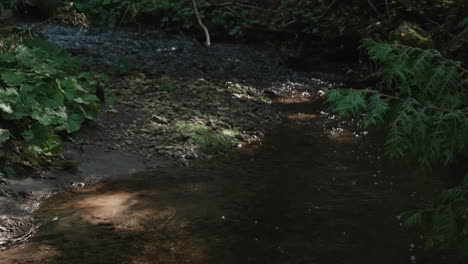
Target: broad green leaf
point(4, 135)
point(10, 172)
point(25, 88)
point(235, 30)
point(8, 97)
point(74, 122)
point(8, 58)
point(28, 135)
point(13, 78)
point(6, 108)
point(49, 117)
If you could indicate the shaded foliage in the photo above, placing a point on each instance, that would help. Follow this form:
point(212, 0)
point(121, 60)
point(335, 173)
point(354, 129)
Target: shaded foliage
point(41, 97)
point(422, 103)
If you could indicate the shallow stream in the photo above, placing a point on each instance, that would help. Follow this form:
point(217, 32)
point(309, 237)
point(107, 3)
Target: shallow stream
point(316, 191)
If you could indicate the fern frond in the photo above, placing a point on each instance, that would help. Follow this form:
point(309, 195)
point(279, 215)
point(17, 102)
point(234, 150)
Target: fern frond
point(378, 108)
point(427, 107)
point(414, 219)
point(396, 143)
point(346, 102)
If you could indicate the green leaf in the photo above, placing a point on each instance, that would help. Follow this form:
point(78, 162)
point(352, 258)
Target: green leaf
point(414, 219)
point(10, 172)
point(4, 135)
point(235, 30)
point(464, 22)
point(74, 122)
point(13, 78)
point(197, 112)
point(8, 58)
point(25, 88)
point(8, 97)
point(6, 108)
point(48, 116)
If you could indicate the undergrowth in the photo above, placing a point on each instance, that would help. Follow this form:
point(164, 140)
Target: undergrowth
point(42, 97)
point(235, 17)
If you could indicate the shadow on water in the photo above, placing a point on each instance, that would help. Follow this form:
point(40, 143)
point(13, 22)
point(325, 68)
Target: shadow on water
point(304, 196)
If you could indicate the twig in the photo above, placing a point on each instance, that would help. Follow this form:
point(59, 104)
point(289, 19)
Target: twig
point(388, 8)
point(248, 6)
point(123, 17)
point(328, 8)
point(200, 22)
point(373, 7)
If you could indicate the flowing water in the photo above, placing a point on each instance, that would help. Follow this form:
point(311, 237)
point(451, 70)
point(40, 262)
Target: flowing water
point(316, 191)
point(305, 196)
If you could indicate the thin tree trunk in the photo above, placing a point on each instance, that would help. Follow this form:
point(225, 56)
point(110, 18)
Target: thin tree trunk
point(200, 22)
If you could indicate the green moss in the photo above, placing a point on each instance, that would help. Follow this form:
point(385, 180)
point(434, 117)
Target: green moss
point(208, 141)
point(411, 35)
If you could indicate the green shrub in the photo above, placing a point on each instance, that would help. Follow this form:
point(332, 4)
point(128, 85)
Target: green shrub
point(41, 97)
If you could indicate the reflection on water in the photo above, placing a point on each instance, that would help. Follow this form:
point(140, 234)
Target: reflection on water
point(305, 196)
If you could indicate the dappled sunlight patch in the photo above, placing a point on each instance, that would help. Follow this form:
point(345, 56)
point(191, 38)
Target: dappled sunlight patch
point(303, 117)
point(295, 98)
point(249, 150)
point(193, 187)
point(145, 219)
point(104, 206)
point(342, 135)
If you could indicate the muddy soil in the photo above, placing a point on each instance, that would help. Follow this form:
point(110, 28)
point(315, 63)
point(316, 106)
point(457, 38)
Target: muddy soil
point(315, 190)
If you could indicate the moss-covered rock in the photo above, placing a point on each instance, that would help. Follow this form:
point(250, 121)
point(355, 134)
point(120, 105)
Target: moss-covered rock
point(412, 35)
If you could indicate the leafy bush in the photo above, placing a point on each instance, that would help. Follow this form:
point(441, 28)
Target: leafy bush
point(422, 103)
point(41, 97)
